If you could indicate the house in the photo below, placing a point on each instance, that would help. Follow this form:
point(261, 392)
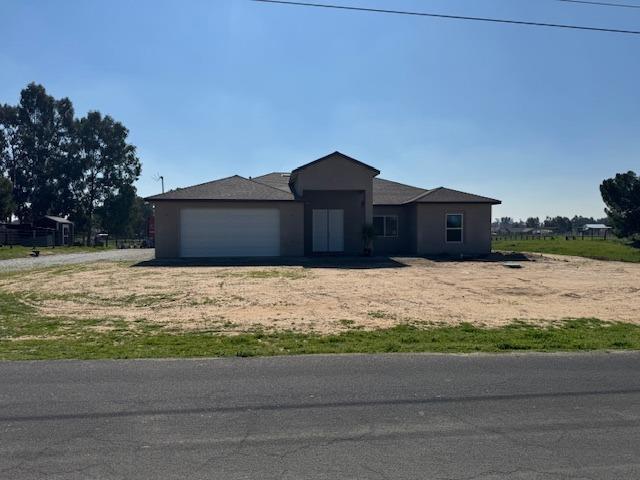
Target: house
point(60, 228)
point(595, 230)
point(319, 208)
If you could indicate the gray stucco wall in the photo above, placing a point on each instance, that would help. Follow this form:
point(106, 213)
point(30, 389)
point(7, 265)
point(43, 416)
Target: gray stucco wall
point(406, 229)
point(353, 205)
point(430, 225)
point(337, 173)
point(167, 218)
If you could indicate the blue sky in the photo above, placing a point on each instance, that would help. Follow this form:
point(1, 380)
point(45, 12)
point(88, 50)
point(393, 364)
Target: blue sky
point(536, 117)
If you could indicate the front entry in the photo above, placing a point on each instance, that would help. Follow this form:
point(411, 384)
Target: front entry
point(328, 230)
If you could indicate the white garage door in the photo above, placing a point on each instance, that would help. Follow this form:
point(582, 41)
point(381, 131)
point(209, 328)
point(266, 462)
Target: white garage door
point(229, 232)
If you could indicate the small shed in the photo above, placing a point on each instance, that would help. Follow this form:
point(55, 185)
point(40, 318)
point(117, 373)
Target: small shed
point(595, 230)
point(61, 228)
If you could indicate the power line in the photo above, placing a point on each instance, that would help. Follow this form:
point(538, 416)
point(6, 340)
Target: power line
point(601, 4)
point(450, 17)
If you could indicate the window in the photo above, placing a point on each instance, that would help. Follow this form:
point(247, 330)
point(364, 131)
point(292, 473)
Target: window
point(454, 227)
point(386, 225)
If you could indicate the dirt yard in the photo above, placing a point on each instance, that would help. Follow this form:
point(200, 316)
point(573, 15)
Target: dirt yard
point(236, 299)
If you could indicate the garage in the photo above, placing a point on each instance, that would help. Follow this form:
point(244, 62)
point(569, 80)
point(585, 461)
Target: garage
point(229, 232)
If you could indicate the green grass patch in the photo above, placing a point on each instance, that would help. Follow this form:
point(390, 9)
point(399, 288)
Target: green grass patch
point(380, 314)
point(132, 300)
point(598, 249)
point(25, 334)
point(18, 251)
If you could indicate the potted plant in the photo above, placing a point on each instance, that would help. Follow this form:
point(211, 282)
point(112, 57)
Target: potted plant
point(368, 235)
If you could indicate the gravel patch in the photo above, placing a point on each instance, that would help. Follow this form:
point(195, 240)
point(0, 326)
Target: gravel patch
point(132, 255)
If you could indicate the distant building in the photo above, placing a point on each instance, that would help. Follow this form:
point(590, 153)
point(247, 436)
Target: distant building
point(595, 230)
point(60, 228)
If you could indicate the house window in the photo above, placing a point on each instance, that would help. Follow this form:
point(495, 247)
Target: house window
point(386, 225)
point(454, 227)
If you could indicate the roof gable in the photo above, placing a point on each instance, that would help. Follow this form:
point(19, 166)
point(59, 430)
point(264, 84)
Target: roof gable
point(332, 155)
point(230, 188)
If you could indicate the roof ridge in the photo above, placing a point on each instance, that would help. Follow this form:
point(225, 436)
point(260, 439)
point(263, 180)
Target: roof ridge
point(265, 185)
point(199, 184)
point(423, 194)
point(400, 183)
point(271, 173)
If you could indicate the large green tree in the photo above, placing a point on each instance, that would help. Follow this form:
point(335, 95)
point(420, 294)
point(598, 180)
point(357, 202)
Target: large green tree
point(36, 153)
point(559, 224)
point(125, 215)
point(117, 212)
point(621, 195)
point(533, 222)
point(6, 199)
point(107, 164)
point(59, 165)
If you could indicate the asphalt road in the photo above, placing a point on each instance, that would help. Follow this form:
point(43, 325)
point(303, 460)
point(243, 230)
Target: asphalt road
point(127, 255)
point(323, 417)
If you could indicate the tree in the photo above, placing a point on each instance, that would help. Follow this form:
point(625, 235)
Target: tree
point(142, 212)
point(35, 152)
point(559, 224)
point(107, 165)
point(621, 195)
point(578, 221)
point(6, 199)
point(9, 147)
point(117, 211)
point(533, 222)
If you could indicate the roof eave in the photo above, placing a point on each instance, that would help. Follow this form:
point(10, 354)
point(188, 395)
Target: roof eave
point(153, 200)
point(474, 202)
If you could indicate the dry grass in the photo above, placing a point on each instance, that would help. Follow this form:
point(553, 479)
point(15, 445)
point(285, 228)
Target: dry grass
point(330, 300)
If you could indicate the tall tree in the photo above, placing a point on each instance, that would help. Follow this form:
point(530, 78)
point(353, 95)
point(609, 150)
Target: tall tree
point(118, 211)
point(107, 164)
point(9, 152)
point(6, 199)
point(142, 212)
point(533, 222)
point(559, 224)
point(621, 195)
point(36, 152)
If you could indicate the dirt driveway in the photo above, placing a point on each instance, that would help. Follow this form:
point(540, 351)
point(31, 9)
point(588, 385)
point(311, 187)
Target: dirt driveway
point(327, 299)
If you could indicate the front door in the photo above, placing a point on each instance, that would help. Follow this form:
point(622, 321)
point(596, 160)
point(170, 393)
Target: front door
point(328, 230)
point(65, 234)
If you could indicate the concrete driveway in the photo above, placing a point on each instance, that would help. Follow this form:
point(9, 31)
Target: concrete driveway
point(323, 417)
point(138, 254)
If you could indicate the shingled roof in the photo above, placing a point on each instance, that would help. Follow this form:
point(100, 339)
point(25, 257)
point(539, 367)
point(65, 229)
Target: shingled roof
point(230, 188)
point(279, 180)
point(386, 192)
point(275, 187)
point(448, 195)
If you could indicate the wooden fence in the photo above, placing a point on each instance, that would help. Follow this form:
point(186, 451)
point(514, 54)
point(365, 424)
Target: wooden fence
point(568, 236)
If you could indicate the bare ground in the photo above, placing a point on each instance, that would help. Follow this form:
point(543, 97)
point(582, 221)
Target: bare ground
point(242, 298)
